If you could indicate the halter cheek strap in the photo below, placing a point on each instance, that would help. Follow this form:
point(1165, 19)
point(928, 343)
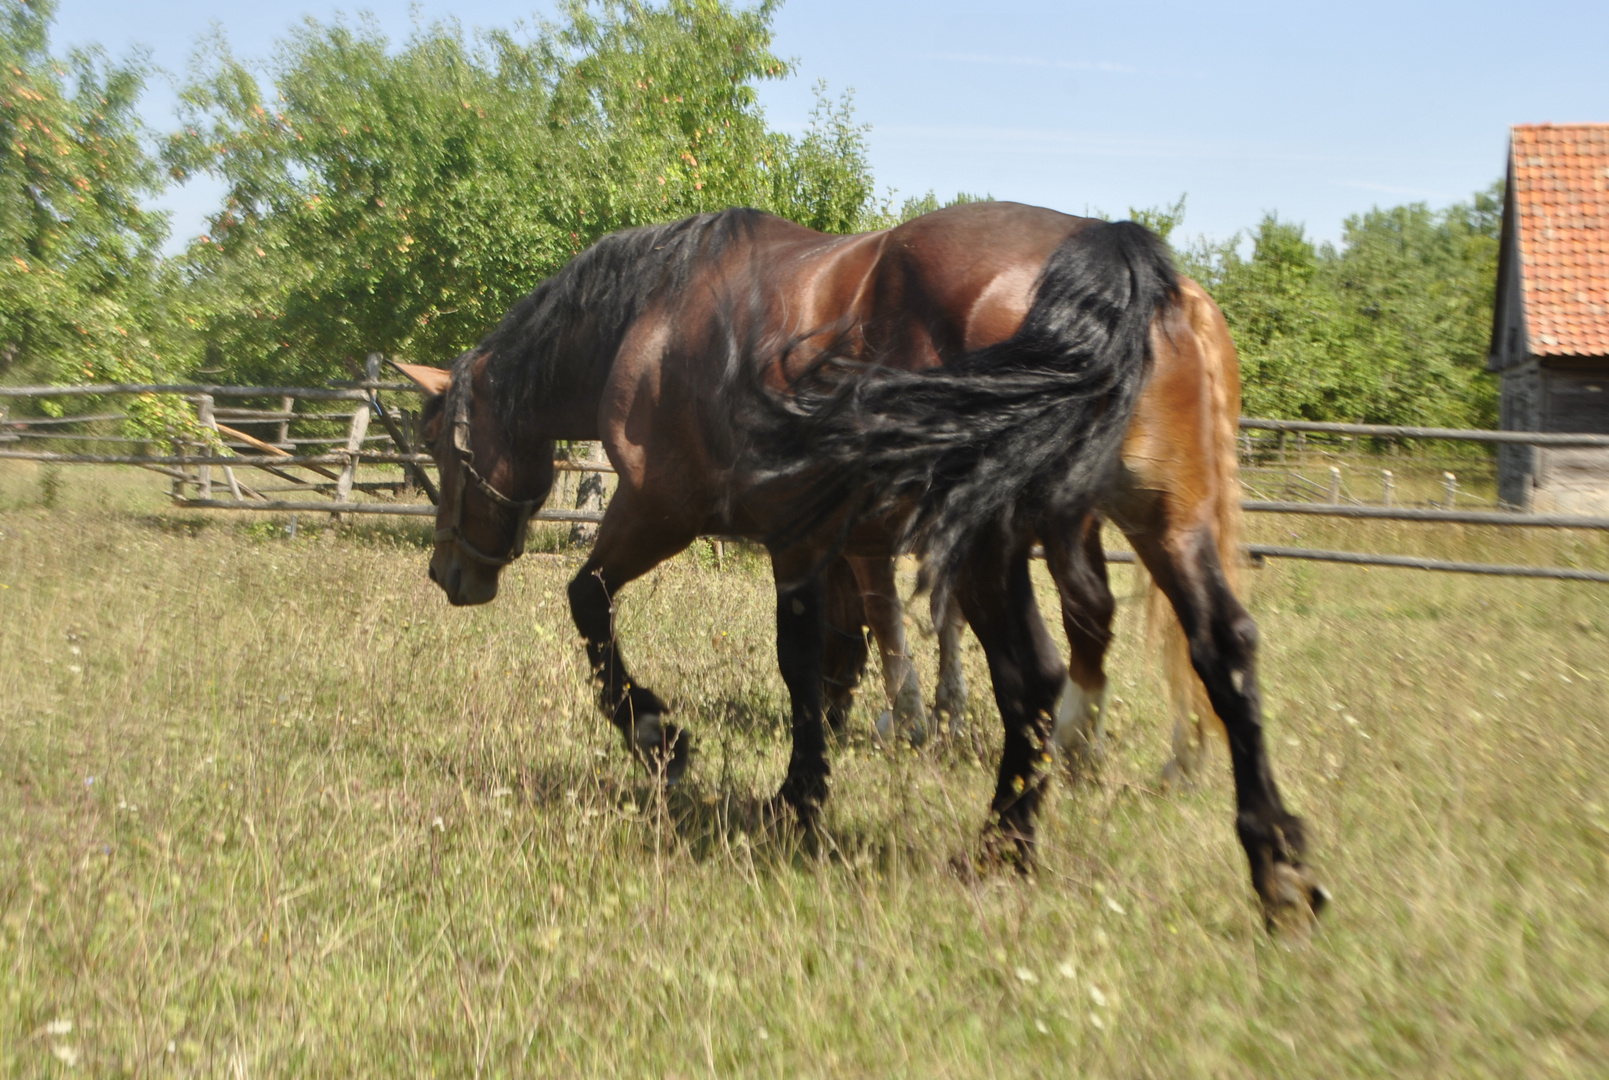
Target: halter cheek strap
point(467, 474)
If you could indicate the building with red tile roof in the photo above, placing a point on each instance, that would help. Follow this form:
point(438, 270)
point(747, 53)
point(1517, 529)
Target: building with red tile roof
point(1550, 329)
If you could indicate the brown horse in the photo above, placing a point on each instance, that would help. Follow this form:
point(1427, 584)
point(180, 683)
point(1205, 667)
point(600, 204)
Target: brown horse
point(1077, 729)
point(963, 384)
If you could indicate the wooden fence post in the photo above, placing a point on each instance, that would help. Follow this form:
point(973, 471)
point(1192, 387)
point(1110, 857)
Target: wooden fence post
point(208, 419)
point(286, 405)
point(178, 473)
point(204, 472)
point(354, 445)
point(589, 494)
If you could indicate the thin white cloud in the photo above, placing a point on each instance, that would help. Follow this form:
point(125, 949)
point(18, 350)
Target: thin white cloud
point(1030, 61)
point(1393, 189)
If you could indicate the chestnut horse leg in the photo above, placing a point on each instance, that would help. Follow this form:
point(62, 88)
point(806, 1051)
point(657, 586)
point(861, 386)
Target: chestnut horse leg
point(950, 699)
point(886, 617)
point(1223, 651)
point(997, 598)
point(1077, 564)
point(844, 647)
point(626, 549)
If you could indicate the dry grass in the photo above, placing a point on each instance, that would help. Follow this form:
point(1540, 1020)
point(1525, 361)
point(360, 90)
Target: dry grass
point(270, 807)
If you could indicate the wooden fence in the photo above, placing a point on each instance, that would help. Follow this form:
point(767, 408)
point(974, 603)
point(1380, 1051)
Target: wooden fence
point(309, 447)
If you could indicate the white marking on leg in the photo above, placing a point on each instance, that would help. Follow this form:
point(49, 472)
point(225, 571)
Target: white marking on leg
point(1076, 732)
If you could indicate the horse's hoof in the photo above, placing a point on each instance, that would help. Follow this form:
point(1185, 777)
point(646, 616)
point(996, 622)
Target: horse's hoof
point(890, 724)
point(883, 729)
point(664, 749)
point(1003, 847)
point(1292, 900)
point(1175, 778)
point(779, 814)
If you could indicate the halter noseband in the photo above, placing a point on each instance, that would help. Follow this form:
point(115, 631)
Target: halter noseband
point(458, 400)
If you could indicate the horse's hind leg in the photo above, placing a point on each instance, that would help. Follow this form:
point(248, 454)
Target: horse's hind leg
point(1077, 564)
point(622, 553)
point(886, 617)
point(996, 596)
point(1223, 650)
point(844, 647)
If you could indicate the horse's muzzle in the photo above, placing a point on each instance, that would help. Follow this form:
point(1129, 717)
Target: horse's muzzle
point(465, 582)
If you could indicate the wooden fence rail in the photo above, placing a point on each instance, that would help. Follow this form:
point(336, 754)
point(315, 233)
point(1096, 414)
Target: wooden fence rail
point(1389, 431)
point(336, 470)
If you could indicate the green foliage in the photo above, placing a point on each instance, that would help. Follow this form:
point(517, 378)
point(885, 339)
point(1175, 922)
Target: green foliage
point(1390, 328)
point(1161, 220)
point(77, 250)
point(824, 180)
point(915, 206)
point(400, 200)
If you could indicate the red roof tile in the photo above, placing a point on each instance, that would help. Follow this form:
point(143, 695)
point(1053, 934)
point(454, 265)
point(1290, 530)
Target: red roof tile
point(1561, 207)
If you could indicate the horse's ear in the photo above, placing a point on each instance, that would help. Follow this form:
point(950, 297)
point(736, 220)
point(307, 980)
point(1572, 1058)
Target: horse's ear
point(432, 380)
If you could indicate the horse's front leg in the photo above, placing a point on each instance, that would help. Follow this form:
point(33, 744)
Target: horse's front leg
point(844, 644)
point(622, 553)
point(800, 650)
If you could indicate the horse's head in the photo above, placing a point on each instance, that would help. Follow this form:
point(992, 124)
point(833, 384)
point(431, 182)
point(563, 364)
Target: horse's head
point(487, 493)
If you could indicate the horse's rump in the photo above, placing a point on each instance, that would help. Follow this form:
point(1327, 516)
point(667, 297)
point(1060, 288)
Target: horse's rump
point(1000, 436)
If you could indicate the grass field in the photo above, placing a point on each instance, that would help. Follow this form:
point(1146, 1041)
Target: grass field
point(270, 807)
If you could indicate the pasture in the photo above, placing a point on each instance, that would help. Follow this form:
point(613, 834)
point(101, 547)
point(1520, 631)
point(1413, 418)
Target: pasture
point(268, 806)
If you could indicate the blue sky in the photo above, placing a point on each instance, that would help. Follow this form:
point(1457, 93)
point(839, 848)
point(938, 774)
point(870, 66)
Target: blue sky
point(1313, 111)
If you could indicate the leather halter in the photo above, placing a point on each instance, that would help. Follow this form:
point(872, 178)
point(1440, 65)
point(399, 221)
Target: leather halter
point(458, 399)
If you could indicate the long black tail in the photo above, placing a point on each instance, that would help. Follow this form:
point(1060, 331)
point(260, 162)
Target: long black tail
point(998, 438)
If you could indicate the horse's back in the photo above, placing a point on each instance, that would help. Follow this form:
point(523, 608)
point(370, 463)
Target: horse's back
point(960, 279)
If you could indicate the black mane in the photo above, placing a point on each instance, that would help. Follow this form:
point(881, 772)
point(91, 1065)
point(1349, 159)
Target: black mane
point(552, 342)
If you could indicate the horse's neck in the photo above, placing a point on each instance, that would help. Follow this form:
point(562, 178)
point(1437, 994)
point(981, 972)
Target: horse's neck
point(568, 411)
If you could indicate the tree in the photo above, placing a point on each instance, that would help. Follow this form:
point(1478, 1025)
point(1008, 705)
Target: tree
point(400, 200)
point(1417, 287)
point(1391, 328)
point(78, 252)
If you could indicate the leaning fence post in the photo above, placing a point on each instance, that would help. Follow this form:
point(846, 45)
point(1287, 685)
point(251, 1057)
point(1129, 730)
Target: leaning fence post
point(354, 445)
point(396, 426)
point(1388, 486)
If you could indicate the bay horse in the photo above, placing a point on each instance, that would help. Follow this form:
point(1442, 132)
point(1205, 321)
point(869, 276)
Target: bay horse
point(959, 385)
point(1076, 732)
